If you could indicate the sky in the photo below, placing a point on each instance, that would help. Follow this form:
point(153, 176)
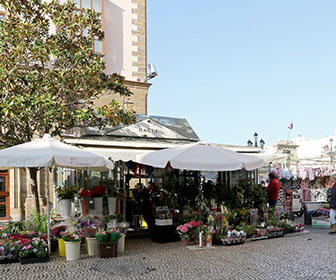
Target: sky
point(236, 67)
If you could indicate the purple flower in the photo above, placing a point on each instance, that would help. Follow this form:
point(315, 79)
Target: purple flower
point(13, 248)
point(35, 250)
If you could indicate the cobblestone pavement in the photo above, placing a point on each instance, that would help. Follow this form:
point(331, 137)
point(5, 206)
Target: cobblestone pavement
point(310, 256)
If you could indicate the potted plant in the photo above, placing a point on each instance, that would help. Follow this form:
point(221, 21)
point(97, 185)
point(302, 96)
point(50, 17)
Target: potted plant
point(56, 233)
point(33, 250)
point(183, 231)
point(66, 194)
point(72, 239)
point(9, 250)
point(85, 196)
point(97, 194)
point(112, 199)
point(102, 235)
point(107, 248)
point(91, 240)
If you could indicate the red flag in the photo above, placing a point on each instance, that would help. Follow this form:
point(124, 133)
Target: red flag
point(291, 125)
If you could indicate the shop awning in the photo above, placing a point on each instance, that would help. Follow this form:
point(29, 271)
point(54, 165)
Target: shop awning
point(119, 154)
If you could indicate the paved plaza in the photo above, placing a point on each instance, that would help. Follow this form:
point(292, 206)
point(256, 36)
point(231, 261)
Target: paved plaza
point(309, 256)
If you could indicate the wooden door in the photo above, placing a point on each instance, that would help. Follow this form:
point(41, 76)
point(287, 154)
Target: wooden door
point(4, 196)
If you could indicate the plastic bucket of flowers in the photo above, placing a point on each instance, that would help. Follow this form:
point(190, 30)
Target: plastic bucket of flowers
point(56, 233)
point(72, 240)
point(91, 240)
point(97, 194)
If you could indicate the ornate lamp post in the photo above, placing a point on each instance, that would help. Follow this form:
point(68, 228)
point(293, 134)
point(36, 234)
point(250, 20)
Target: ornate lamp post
point(250, 143)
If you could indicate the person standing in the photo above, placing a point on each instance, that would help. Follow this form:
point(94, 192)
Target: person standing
point(332, 202)
point(273, 190)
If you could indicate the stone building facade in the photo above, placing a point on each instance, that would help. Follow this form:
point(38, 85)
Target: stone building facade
point(125, 51)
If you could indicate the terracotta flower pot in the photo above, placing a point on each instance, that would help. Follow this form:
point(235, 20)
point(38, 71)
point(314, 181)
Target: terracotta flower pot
point(85, 208)
point(185, 242)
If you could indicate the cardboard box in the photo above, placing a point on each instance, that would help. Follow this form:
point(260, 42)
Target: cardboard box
point(319, 222)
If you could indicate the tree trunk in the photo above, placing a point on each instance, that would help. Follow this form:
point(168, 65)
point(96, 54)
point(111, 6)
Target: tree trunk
point(33, 185)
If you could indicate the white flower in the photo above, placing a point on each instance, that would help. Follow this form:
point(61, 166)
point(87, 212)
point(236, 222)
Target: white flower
point(35, 250)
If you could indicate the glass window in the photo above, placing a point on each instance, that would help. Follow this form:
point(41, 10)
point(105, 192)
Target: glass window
point(63, 1)
point(2, 199)
point(86, 4)
point(97, 5)
point(3, 211)
point(98, 46)
point(77, 2)
point(2, 9)
point(2, 184)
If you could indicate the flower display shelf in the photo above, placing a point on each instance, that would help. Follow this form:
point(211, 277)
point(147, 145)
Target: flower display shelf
point(232, 241)
point(34, 260)
point(9, 260)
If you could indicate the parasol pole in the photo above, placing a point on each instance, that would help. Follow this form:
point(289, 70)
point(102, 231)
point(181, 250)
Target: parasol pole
point(48, 209)
point(200, 210)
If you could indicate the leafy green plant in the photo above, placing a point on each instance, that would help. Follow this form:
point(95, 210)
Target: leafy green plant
point(66, 192)
point(38, 220)
point(13, 227)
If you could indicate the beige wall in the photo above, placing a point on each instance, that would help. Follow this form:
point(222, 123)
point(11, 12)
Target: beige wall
point(139, 98)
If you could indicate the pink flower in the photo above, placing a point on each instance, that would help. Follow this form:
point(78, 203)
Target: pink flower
point(194, 223)
point(184, 229)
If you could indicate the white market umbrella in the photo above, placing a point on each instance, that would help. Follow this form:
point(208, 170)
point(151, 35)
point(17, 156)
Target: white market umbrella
point(47, 152)
point(200, 157)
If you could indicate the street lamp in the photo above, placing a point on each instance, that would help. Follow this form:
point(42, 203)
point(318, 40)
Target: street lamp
point(250, 143)
point(255, 139)
point(262, 143)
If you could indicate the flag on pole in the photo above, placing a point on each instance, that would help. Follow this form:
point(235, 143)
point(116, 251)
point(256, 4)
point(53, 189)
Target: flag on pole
point(291, 125)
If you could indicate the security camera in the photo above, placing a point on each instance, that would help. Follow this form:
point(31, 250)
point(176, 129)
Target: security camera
point(152, 72)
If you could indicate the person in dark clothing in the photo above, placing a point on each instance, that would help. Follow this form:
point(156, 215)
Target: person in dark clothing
point(332, 202)
point(149, 197)
point(273, 190)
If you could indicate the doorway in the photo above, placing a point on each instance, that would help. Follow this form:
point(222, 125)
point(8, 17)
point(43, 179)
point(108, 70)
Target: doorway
point(4, 195)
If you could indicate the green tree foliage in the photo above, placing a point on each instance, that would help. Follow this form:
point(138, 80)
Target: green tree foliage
point(49, 73)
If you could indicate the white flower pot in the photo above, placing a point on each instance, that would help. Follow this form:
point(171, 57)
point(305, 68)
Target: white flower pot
point(98, 204)
point(121, 244)
point(112, 205)
point(66, 203)
point(92, 245)
point(72, 250)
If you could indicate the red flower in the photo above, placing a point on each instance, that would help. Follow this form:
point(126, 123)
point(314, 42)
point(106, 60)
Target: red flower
point(98, 191)
point(85, 194)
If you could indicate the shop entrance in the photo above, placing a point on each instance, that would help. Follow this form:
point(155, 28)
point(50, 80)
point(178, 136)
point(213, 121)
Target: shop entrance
point(4, 195)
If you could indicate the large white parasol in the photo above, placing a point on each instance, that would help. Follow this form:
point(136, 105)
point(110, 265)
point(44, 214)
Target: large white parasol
point(200, 157)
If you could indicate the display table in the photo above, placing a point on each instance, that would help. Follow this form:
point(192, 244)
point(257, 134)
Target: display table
point(164, 234)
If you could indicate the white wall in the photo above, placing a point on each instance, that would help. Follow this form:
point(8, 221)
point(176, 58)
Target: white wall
point(118, 29)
